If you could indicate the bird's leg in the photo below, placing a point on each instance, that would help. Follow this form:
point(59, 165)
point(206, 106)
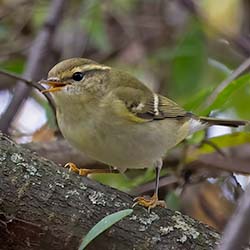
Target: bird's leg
point(86, 171)
point(153, 201)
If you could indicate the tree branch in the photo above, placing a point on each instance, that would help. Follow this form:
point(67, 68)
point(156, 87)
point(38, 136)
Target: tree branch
point(42, 206)
point(31, 84)
point(35, 66)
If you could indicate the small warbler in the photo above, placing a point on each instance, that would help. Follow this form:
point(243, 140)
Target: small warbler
point(114, 118)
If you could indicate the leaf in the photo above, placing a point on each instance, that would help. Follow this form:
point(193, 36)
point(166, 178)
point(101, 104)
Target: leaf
point(239, 100)
point(13, 65)
point(173, 201)
point(103, 225)
point(223, 141)
point(125, 182)
point(215, 72)
point(94, 23)
point(40, 11)
point(189, 61)
point(225, 94)
point(197, 99)
point(221, 15)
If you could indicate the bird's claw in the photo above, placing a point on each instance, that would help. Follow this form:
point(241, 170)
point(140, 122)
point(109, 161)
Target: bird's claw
point(73, 168)
point(149, 202)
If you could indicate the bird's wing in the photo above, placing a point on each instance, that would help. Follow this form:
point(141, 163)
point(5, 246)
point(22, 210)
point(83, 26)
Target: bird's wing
point(142, 106)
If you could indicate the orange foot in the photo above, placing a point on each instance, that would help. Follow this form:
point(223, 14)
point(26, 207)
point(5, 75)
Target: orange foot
point(80, 171)
point(86, 171)
point(149, 203)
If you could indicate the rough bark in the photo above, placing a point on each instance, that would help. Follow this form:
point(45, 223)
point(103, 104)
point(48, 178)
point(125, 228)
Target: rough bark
point(42, 206)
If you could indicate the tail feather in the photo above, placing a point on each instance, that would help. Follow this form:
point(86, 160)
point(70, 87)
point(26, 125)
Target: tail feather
point(222, 122)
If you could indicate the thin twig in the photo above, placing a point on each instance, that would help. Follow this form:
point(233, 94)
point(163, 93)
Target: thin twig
point(227, 81)
point(213, 145)
point(16, 77)
point(32, 84)
point(35, 63)
point(237, 232)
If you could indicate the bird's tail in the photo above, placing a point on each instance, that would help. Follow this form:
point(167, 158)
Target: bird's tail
point(223, 122)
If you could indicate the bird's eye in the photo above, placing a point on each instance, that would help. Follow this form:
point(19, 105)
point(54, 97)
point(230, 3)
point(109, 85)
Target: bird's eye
point(77, 76)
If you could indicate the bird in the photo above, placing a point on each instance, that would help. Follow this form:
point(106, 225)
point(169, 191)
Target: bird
point(116, 119)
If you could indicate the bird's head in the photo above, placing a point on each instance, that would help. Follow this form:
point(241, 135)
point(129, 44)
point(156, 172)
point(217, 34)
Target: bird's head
point(77, 78)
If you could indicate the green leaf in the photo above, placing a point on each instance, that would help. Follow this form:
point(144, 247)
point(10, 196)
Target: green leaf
point(13, 65)
point(125, 182)
point(103, 225)
point(197, 99)
point(215, 72)
point(173, 201)
point(40, 11)
point(226, 93)
point(94, 24)
point(224, 141)
point(189, 62)
point(228, 140)
point(239, 100)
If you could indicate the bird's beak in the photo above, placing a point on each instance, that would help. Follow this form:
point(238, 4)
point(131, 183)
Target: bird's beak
point(55, 85)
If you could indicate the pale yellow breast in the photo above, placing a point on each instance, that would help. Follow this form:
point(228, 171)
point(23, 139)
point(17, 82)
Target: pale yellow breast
point(122, 146)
